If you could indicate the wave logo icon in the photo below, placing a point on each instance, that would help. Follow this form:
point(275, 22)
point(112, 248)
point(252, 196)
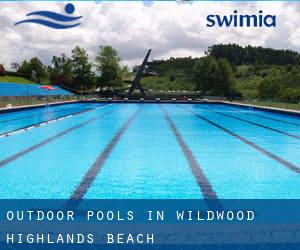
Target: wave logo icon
point(54, 20)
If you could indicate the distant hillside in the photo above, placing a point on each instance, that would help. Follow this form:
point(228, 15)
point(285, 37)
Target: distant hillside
point(178, 66)
point(172, 74)
point(258, 73)
point(269, 82)
point(238, 55)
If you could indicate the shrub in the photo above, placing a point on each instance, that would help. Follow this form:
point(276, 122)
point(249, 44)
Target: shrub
point(269, 88)
point(290, 95)
point(172, 78)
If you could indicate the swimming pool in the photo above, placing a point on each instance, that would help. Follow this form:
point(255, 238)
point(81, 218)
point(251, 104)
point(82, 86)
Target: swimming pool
point(196, 151)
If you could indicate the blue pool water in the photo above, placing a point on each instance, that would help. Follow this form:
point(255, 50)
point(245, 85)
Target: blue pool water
point(149, 151)
point(17, 120)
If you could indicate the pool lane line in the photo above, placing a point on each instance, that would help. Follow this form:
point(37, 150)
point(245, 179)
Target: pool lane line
point(266, 117)
point(95, 169)
point(50, 139)
point(256, 124)
point(23, 129)
point(29, 127)
point(280, 160)
point(201, 179)
point(38, 114)
point(273, 119)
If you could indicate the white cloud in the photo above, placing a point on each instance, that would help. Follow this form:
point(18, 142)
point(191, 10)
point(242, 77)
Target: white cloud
point(170, 29)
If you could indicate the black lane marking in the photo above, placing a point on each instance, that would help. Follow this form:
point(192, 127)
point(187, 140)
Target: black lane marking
point(50, 139)
point(38, 114)
point(266, 117)
point(94, 170)
point(201, 179)
point(283, 162)
point(273, 119)
point(49, 121)
point(256, 124)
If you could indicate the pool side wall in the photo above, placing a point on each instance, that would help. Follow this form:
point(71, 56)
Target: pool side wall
point(245, 106)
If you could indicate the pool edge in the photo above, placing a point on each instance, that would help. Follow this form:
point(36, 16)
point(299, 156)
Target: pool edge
point(263, 108)
point(242, 105)
point(34, 106)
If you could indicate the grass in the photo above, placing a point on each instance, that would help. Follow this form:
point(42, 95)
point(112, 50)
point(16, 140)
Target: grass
point(15, 79)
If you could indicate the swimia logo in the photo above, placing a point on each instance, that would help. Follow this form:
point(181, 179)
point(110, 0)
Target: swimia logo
point(54, 20)
point(239, 20)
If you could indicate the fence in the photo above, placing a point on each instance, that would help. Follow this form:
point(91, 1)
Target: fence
point(287, 104)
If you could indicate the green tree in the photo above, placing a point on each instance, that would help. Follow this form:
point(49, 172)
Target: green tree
point(38, 70)
point(61, 71)
point(205, 74)
point(25, 69)
point(33, 70)
point(108, 65)
point(213, 76)
point(83, 76)
point(224, 83)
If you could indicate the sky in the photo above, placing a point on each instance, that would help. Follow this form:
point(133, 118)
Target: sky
point(171, 29)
